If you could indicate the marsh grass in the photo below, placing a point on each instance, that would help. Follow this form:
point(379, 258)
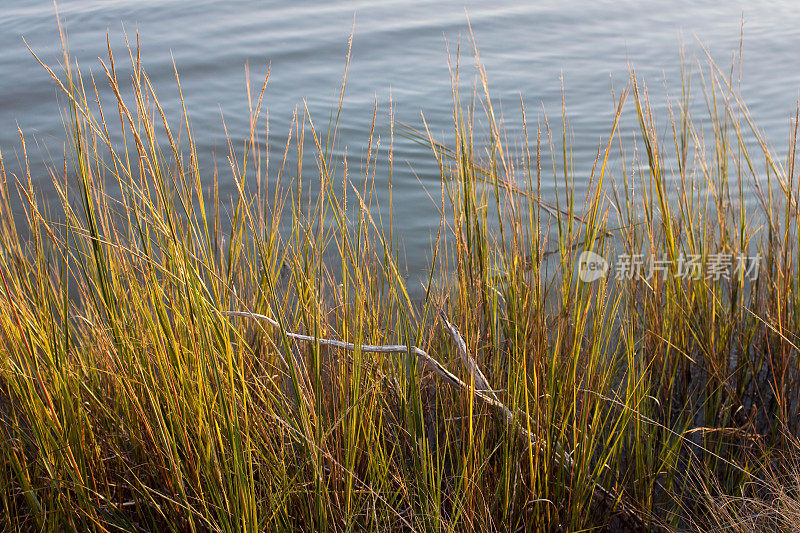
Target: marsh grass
point(153, 378)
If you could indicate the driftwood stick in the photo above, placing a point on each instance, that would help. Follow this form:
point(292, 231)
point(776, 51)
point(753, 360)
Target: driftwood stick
point(484, 393)
point(469, 363)
point(562, 457)
point(423, 356)
point(478, 377)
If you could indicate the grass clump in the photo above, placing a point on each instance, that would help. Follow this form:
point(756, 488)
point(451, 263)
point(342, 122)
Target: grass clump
point(176, 360)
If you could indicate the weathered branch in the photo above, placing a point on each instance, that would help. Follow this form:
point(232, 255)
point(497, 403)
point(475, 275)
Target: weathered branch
point(481, 388)
point(423, 356)
point(562, 457)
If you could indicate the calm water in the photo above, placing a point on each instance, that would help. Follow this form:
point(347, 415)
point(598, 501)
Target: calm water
point(399, 49)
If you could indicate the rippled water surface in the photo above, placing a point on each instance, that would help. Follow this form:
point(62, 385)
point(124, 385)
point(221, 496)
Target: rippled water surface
point(399, 49)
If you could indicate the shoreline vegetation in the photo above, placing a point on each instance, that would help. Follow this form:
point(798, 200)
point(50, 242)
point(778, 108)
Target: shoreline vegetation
point(177, 361)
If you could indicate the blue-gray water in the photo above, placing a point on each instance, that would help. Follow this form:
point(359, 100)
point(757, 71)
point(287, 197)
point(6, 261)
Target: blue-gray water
point(399, 49)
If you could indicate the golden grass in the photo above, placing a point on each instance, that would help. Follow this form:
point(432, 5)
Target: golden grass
point(174, 360)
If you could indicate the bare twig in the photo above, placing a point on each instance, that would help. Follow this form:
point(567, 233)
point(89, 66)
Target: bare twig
point(561, 456)
point(469, 362)
point(484, 393)
point(423, 356)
